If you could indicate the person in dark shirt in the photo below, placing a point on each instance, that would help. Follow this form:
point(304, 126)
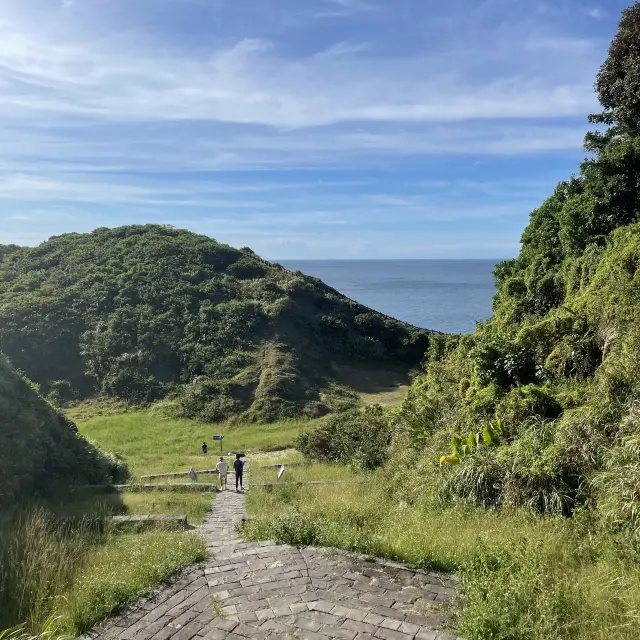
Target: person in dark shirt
point(205, 448)
point(238, 467)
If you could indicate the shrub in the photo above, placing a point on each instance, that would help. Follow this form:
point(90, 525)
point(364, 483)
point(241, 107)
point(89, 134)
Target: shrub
point(61, 392)
point(358, 437)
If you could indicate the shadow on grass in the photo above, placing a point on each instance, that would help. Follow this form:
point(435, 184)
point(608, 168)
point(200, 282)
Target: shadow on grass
point(371, 381)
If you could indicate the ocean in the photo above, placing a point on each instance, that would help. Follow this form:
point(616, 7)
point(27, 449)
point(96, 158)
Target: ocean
point(445, 295)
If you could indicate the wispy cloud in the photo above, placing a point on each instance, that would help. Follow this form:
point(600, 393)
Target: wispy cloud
point(300, 119)
point(250, 83)
point(341, 8)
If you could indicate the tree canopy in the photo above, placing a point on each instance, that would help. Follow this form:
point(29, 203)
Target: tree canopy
point(148, 312)
point(618, 81)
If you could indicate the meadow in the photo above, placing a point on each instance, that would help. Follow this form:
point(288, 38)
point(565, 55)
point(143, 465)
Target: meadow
point(152, 443)
point(76, 573)
point(522, 576)
point(63, 568)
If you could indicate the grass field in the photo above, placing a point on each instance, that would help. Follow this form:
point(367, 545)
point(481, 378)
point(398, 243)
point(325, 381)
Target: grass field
point(51, 568)
point(121, 570)
point(151, 443)
point(375, 386)
point(87, 502)
point(78, 572)
point(524, 577)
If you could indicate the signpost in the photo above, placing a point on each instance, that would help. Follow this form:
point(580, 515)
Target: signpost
point(221, 438)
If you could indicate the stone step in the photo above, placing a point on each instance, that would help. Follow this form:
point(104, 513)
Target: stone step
point(177, 474)
point(180, 474)
point(164, 521)
point(178, 486)
point(276, 484)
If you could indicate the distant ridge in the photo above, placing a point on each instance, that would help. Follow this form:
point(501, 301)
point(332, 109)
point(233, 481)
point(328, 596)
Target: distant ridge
point(149, 313)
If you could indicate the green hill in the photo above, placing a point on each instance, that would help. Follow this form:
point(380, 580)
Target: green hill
point(39, 447)
point(148, 312)
point(543, 401)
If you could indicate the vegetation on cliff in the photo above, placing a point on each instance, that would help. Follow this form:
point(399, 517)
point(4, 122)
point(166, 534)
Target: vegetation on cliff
point(543, 401)
point(40, 448)
point(148, 312)
point(515, 457)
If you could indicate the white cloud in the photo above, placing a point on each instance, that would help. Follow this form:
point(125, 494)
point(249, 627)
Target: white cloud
point(248, 83)
point(596, 13)
point(105, 119)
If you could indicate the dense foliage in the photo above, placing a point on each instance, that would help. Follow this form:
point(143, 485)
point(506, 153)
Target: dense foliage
point(39, 447)
point(149, 312)
point(536, 415)
point(557, 367)
point(360, 438)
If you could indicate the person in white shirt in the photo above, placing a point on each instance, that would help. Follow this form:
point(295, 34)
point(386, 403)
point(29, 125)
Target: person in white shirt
point(222, 468)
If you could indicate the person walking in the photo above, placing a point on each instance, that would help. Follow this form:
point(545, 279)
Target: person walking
point(238, 467)
point(222, 469)
point(205, 449)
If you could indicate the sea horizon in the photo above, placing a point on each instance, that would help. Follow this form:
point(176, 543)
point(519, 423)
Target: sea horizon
point(494, 260)
point(441, 294)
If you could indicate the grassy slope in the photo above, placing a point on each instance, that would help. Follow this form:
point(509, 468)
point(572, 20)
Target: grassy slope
point(49, 569)
point(524, 577)
point(39, 447)
point(151, 443)
point(147, 312)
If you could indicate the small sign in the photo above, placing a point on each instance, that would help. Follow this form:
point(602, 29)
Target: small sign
point(192, 475)
point(218, 437)
point(280, 472)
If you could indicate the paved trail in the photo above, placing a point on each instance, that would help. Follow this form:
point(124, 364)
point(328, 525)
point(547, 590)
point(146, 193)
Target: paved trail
point(255, 591)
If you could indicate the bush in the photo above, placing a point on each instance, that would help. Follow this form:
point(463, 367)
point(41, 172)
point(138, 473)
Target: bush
point(40, 447)
point(60, 392)
point(358, 437)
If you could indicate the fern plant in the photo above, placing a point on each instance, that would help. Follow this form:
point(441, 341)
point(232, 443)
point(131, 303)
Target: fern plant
point(460, 449)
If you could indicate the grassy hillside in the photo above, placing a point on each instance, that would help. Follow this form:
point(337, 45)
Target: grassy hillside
point(543, 401)
point(515, 457)
point(147, 312)
point(150, 443)
point(39, 447)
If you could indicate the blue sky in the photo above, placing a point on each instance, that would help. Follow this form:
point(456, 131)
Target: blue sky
point(301, 128)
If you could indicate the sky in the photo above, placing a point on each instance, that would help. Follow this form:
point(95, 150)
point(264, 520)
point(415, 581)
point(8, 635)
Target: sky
point(335, 129)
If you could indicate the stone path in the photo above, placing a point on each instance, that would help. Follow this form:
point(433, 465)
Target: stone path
point(255, 591)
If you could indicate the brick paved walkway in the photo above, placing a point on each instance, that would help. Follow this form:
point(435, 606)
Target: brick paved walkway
point(255, 591)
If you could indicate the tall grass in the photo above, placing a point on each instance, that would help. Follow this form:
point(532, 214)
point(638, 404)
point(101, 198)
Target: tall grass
point(523, 577)
point(118, 572)
point(39, 557)
point(75, 570)
point(50, 630)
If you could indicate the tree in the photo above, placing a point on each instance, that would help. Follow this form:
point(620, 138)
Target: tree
point(618, 81)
